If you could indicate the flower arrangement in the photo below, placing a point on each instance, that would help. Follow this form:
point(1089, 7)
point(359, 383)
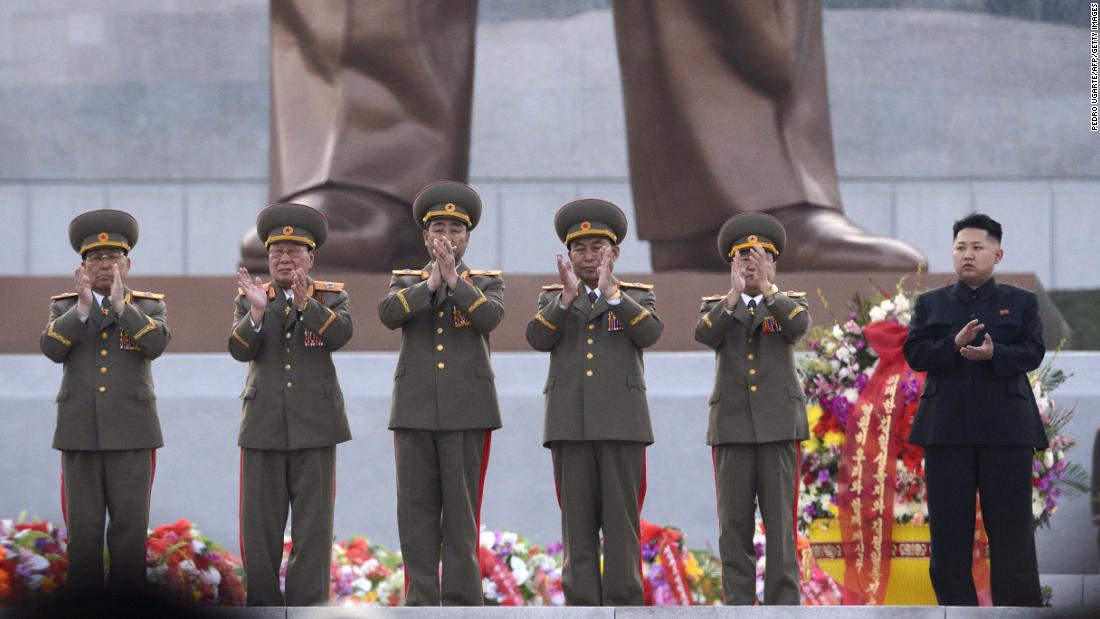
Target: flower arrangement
point(364, 573)
point(33, 560)
point(515, 572)
point(191, 569)
point(835, 373)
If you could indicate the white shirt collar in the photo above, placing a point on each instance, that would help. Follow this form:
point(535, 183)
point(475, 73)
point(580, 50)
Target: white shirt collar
point(746, 298)
point(588, 290)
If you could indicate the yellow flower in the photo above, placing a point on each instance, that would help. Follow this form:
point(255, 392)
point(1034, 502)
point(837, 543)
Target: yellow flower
point(833, 439)
point(691, 566)
point(372, 597)
point(811, 444)
point(813, 414)
point(834, 510)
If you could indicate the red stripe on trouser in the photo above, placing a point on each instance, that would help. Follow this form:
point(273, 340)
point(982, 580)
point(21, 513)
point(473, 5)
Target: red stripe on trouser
point(641, 501)
point(64, 507)
point(797, 482)
point(481, 493)
point(240, 508)
point(152, 476)
point(404, 570)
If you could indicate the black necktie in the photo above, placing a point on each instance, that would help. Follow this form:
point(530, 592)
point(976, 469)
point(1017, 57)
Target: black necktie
point(106, 306)
point(592, 296)
point(752, 307)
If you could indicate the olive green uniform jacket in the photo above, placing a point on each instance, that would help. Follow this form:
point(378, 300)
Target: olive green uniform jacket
point(292, 399)
point(595, 390)
point(757, 395)
point(106, 400)
point(444, 379)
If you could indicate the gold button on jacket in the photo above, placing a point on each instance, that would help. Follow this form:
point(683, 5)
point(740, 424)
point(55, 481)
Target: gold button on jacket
point(106, 400)
point(760, 346)
point(292, 398)
point(444, 379)
point(596, 391)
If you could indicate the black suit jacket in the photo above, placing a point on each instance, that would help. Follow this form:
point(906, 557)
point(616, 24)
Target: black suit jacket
point(977, 402)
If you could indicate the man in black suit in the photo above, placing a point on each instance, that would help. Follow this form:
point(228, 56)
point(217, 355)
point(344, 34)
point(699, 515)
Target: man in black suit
point(977, 420)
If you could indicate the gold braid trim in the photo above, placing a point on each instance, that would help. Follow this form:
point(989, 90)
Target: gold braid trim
point(707, 322)
point(239, 339)
point(796, 311)
point(146, 329)
point(404, 303)
point(640, 317)
point(475, 305)
point(57, 336)
point(544, 322)
point(331, 319)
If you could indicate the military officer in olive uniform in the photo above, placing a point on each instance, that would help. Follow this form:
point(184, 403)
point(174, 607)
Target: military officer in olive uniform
point(106, 335)
point(757, 413)
point(597, 418)
point(444, 399)
point(293, 412)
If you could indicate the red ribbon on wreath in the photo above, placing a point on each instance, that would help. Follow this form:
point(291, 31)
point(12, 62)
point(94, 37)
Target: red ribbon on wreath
point(671, 559)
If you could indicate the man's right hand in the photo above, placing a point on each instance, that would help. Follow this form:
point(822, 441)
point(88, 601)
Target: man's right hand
point(84, 298)
point(968, 333)
point(255, 293)
point(570, 283)
point(737, 284)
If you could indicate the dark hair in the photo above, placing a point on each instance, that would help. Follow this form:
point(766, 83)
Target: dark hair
point(979, 221)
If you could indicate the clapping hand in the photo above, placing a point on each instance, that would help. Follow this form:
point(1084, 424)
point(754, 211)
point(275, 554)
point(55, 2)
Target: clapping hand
point(84, 298)
point(254, 292)
point(978, 353)
point(570, 283)
point(606, 282)
point(737, 283)
point(118, 292)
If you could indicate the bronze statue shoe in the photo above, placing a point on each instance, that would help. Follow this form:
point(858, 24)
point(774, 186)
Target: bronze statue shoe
point(368, 231)
point(693, 253)
point(822, 239)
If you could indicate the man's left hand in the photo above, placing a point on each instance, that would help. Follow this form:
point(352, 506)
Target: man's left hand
point(118, 292)
point(606, 283)
point(765, 269)
point(978, 353)
point(299, 286)
point(445, 260)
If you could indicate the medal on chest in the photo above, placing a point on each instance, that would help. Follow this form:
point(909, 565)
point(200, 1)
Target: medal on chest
point(771, 325)
point(311, 339)
point(459, 318)
point(125, 342)
point(613, 322)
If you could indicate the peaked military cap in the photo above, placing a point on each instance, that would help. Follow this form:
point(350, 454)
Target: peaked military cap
point(749, 229)
point(590, 217)
point(103, 228)
point(449, 199)
point(294, 223)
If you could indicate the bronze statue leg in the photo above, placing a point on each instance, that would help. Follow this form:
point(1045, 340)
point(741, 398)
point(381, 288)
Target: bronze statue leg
point(727, 111)
point(370, 102)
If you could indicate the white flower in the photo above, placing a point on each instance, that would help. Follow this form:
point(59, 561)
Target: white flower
point(187, 565)
point(520, 548)
point(7, 527)
point(361, 585)
point(211, 576)
point(837, 332)
point(853, 327)
point(36, 562)
point(519, 570)
point(1036, 504)
point(887, 306)
point(488, 538)
point(901, 303)
point(1048, 458)
point(877, 313)
point(197, 546)
point(851, 395)
point(508, 538)
point(345, 570)
point(843, 354)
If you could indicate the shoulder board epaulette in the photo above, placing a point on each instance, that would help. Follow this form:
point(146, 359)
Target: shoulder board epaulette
point(794, 295)
point(714, 297)
point(63, 295)
point(554, 287)
point(486, 273)
point(328, 286)
point(406, 272)
point(146, 295)
point(636, 285)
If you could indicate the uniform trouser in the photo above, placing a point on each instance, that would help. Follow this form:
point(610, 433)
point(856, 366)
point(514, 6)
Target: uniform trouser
point(726, 103)
point(601, 486)
point(1001, 476)
point(100, 484)
point(743, 474)
point(440, 477)
point(273, 480)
